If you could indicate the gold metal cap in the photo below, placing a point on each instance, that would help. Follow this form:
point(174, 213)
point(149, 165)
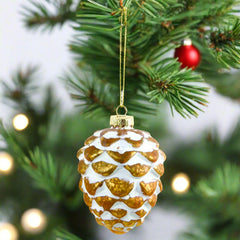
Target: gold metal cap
point(121, 121)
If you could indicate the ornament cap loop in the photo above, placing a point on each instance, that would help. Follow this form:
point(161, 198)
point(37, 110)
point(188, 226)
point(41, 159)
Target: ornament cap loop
point(125, 109)
point(121, 121)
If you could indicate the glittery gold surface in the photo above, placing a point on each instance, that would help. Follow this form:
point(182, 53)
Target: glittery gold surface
point(87, 200)
point(151, 156)
point(99, 221)
point(108, 142)
point(90, 140)
point(110, 223)
point(119, 187)
point(121, 158)
point(138, 170)
point(135, 202)
point(118, 230)
point(97, 213)
point(141, 213)
point(82, 167)
point(121, 121)
point(92, 187)
point(153, 200)
point(80, 151)
point(131, 223)
point(159, 169)
point(160, 185)
point(134, 143)
point(105, 202)
point(148, 188)
point(119, 213)
point(80, 184)
point(103, 168)
point(91, 153)
point(126, 186)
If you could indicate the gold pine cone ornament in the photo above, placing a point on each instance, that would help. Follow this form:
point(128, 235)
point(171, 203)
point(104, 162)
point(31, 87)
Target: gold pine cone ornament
point(121, 169)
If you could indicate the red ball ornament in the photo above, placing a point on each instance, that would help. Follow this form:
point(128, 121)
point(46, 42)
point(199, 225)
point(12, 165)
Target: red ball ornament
point(188, 55)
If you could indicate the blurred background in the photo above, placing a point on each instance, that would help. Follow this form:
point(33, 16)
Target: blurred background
point(195, 138)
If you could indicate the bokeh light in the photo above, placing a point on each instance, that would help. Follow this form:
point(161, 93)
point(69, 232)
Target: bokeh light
point(20, 122)
point(34, 221)
point(6, 163)
point(180, 183)
point(8, 232)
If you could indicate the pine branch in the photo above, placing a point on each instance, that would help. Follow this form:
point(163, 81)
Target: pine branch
point(91, 95)
point(101, 55)
point(223, 185)
point(206, 12)
point(220, 197)
point(58, 179)
point(19, 88)
point(226, 45)
point(62, 234)
point(152, 8)
point(152, 25)
point(94, 97)
point(19, 94)
point(179, 88)
point(39, 14)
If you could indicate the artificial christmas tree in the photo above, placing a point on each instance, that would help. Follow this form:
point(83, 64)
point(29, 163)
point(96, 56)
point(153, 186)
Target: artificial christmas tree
point(155, 28)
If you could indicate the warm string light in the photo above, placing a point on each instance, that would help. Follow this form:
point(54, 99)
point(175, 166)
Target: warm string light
point(20, 122)
point(8, 232)
point(34, 221)
point(6, 163)
point(180, 183)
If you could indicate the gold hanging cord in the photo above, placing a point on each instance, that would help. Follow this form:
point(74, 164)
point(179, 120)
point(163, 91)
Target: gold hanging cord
point(122, 57)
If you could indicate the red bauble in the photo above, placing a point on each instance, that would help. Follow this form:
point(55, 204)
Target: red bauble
point(188, 55)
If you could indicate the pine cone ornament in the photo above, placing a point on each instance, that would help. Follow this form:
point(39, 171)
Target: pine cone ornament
point(121, 169)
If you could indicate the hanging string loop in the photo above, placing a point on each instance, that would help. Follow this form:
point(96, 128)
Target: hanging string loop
point(122, 57)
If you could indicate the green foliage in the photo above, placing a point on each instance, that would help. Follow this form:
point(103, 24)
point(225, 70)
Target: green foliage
point(224, 184)
point(94, 96)
point(150, 39)
point(177, 87)
point(65, 235)
point(214, 198)
point(19, 88)
point(19, 94)
point(58, 179)
point(226, 44)
point(153, 25)
point(155, 29)
point(38, 13)
point(217, 200)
